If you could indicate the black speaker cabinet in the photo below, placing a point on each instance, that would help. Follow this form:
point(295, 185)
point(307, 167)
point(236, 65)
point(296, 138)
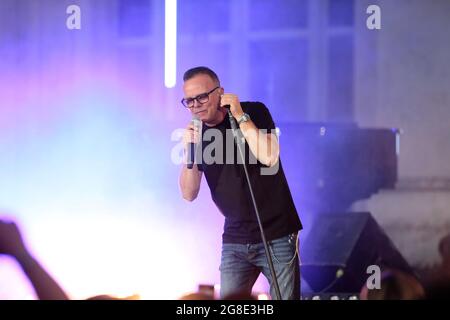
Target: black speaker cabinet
point(340, 247)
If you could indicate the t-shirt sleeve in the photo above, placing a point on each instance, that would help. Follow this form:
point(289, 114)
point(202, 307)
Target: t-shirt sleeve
point(260, 116)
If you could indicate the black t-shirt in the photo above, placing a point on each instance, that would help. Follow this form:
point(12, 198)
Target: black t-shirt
point(228, 185)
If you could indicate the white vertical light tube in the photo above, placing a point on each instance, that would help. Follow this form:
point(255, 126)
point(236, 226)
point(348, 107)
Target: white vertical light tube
point(170, 43)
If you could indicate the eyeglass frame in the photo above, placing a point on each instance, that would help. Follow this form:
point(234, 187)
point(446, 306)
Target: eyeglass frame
point(183, 101)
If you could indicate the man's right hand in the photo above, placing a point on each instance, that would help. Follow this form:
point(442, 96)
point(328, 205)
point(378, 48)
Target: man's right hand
point(190, 178)
point(191, 135)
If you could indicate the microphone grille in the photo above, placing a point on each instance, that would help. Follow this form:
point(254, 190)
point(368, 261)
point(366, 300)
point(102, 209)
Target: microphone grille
point(196, 120)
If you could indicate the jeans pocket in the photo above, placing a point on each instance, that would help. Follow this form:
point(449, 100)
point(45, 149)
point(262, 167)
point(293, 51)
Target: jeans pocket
point(284, 249)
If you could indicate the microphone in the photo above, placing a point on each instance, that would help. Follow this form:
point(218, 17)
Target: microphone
point(230, 115)
point(191, 145)
point(237, 134)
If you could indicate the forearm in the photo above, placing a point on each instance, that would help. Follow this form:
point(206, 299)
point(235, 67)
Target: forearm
point(45, 286)
point(190, 182)
point(263, 145)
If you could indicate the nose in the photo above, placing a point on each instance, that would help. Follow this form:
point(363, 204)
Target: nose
point(196, 104)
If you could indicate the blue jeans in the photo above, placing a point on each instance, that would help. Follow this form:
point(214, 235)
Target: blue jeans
point(241, 264)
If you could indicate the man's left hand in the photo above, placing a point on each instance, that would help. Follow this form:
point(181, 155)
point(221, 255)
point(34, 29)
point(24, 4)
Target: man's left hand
point(235, 106)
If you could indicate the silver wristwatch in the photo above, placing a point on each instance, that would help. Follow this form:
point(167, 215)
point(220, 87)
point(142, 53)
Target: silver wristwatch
point(245, 117)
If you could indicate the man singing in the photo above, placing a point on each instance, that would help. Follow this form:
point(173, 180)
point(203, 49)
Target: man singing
point(243, 254)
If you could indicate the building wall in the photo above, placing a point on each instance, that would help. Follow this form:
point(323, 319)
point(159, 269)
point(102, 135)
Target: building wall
point(402, 81)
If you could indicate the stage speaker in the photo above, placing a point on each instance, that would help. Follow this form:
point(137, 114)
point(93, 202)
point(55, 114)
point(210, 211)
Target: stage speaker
point(339, 248)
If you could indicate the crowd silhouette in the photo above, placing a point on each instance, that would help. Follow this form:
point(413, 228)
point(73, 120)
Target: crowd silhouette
point(395, 284)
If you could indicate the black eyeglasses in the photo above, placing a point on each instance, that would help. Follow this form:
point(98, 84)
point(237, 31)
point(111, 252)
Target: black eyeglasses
point(201, 98)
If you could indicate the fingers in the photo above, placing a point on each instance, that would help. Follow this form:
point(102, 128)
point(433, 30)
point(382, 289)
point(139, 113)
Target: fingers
point(233, 101)
point(229, 99)
point(191, 134)
point(192, 127)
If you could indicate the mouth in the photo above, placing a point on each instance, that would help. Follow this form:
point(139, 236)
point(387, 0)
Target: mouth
point(201, 112)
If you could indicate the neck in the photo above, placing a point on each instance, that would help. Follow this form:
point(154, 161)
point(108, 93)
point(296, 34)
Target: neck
point(222, 112)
